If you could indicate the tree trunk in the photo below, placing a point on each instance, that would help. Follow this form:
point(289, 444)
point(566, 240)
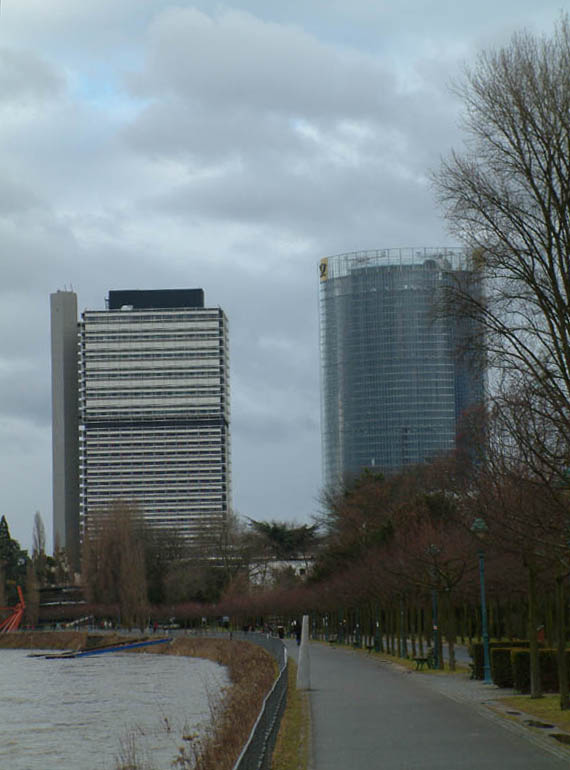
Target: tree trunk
point(440, 648)
point(398, 613)
point(535, 688)
point(549, 621)
point(561, 642)
point(451, 632)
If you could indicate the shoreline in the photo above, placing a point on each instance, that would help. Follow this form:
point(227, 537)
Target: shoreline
point(250, 668)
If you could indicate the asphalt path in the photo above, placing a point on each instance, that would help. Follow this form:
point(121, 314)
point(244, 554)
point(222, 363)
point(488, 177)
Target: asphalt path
point(366, 714)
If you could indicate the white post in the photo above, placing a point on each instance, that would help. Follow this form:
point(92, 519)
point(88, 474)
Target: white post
point(304, 669)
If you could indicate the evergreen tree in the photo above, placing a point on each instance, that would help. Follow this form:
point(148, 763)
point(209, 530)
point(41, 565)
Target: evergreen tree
point(13, 563)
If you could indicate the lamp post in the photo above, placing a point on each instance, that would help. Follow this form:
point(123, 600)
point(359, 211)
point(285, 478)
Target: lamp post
point(480, 529)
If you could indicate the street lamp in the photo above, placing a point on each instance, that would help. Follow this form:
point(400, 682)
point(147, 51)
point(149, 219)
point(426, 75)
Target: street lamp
point(480, 529)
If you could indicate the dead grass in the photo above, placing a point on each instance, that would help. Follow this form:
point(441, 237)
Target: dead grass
point(293, 741)
point(56, 640)
point(546, 709)
point(252, 672)
point(44, 640)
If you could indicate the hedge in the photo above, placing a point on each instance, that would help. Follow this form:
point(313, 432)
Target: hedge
point(548, 665)
point(501, 666)
point(476, 652)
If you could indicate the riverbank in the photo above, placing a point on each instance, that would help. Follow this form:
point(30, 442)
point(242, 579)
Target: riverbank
point(250, 668)
point(55, 640)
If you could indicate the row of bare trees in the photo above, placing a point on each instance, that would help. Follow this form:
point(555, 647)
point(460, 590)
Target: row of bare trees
point(139, 569)
point(507, 197)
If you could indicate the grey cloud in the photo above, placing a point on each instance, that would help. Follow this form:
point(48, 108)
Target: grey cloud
point(242, 62)
point(172, 128)
point(25, 392)
point(269, 429)
point(318, 202)
point(34, 250)
point(26, 77)
point(17, 198)
point(25, 458)
point(281, 482)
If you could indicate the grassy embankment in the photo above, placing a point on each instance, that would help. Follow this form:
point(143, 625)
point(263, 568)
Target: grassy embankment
point(545, 709)
point(293, 742)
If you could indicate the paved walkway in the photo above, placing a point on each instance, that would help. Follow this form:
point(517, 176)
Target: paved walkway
point(368, 714)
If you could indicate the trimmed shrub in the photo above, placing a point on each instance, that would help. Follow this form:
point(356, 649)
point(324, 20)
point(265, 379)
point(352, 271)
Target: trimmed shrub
point(520, 661)
point(501, 667)
point(476, 652)
point(548, 664)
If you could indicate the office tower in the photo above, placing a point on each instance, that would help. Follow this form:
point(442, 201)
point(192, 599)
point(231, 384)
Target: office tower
point(65, 457)
point(154, 413)
point(394, 384)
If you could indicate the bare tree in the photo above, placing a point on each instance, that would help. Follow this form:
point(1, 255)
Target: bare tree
point(114, 563)
point(507, 197)
point(527, 514)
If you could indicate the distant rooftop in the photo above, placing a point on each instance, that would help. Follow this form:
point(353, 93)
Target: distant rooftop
point(152, 299)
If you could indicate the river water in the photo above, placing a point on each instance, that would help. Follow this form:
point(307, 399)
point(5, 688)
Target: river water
point(88, 713)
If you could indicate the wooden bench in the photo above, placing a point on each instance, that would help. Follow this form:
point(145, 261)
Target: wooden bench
point(333, 639)
point(421, 662)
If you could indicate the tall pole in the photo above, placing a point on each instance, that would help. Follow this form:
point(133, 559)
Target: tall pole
point(486, 659)
point(304, 667)
point(434, 613)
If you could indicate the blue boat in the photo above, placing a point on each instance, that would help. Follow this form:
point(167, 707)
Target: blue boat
point(120, 647)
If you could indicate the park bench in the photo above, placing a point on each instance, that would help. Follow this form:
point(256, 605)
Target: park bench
point(333, 639)
point(422, 661)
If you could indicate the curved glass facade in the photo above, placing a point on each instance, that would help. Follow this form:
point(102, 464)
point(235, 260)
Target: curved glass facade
point(393, 385)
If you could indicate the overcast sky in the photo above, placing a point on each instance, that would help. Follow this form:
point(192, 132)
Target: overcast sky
point(147, 144)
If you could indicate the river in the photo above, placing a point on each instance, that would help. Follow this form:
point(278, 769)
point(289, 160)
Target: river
point(88, 713)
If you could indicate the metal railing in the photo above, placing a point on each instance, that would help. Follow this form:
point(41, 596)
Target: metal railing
point(257, 752)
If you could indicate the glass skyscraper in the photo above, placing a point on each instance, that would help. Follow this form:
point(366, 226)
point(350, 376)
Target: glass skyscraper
point(393, 381)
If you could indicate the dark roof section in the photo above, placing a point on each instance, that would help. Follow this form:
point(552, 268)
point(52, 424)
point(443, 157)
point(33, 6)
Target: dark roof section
point(152, 299)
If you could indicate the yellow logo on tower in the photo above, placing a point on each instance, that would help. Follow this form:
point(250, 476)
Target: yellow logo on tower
point(324, 269)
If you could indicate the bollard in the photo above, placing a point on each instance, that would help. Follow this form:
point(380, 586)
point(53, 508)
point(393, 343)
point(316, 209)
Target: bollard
point(303, 670)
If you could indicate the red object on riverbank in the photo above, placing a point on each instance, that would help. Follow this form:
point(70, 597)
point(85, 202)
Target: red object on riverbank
point(12, 622)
